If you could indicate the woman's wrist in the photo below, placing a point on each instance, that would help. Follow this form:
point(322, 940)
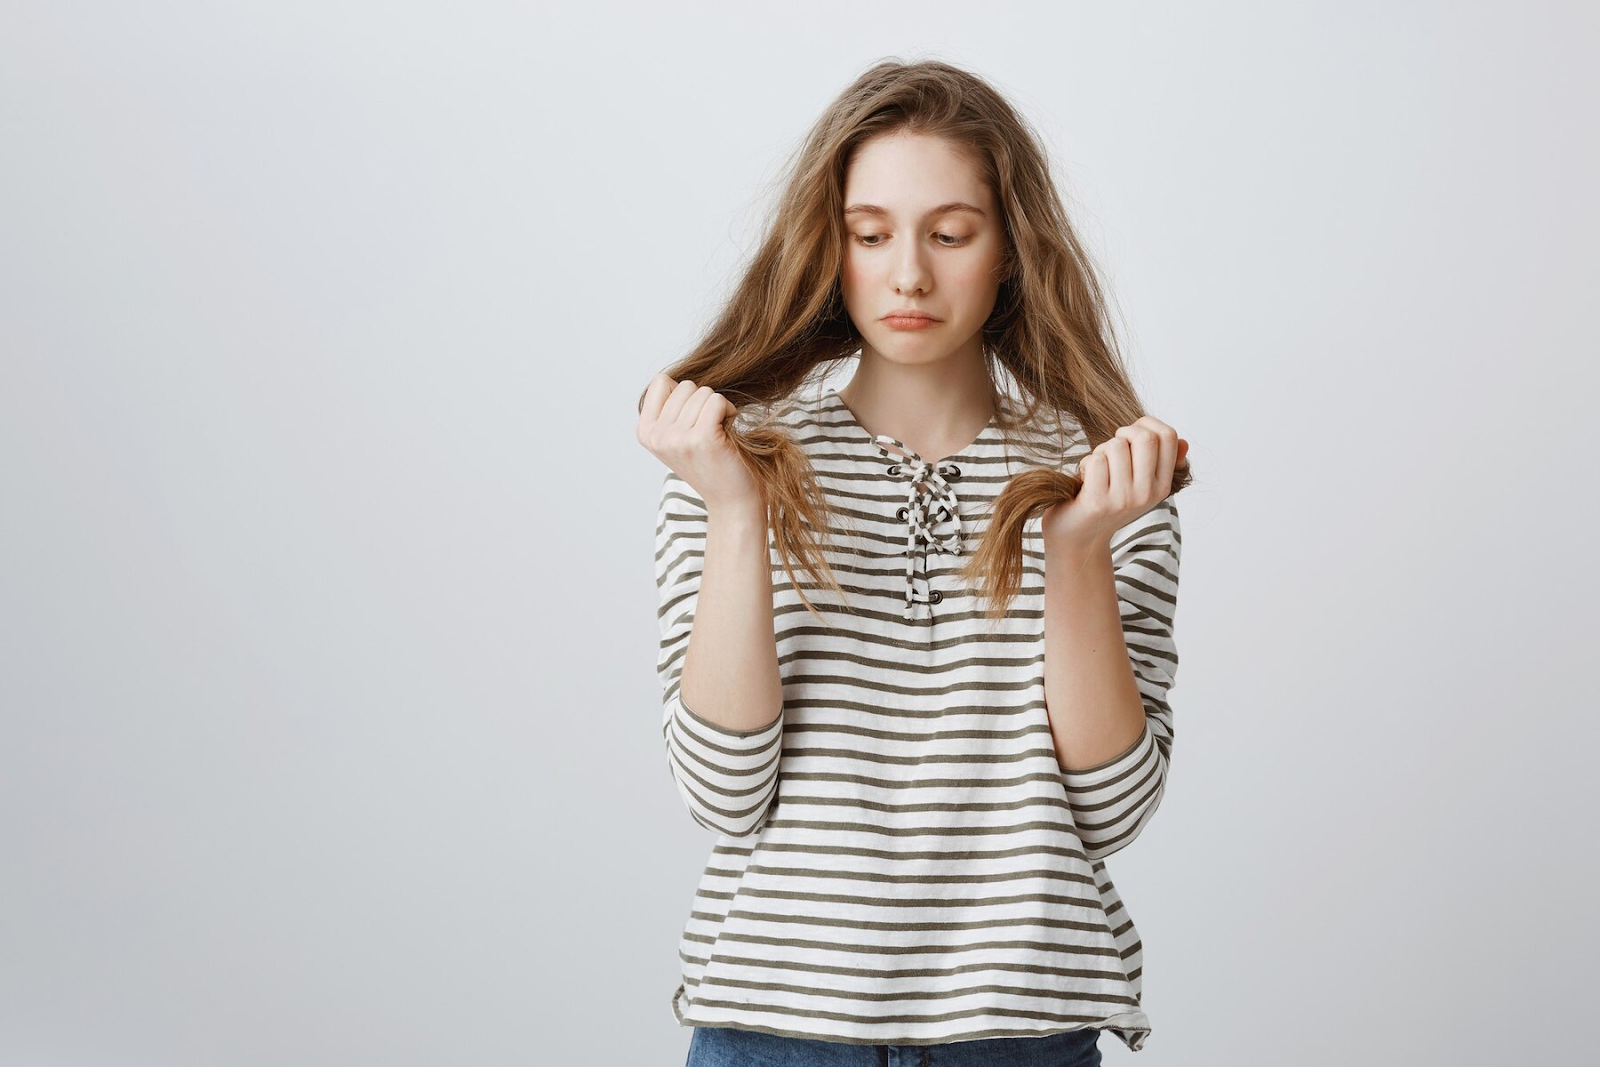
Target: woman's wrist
point(1077, 546)
point(738, 514)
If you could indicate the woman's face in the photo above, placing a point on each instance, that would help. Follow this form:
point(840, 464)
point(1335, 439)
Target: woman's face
point(921, 231)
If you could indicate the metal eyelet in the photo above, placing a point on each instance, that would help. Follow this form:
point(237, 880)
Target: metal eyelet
point(944, 513)
point(935, 596)
point(894, 468)
point(902, 513)
point(954, 472)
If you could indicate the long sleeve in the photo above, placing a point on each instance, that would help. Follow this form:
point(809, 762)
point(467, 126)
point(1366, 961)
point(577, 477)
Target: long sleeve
point(727, 778)
point(1113, 802)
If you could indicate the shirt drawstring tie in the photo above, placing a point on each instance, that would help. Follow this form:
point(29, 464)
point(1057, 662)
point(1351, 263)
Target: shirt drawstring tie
point(940, 498)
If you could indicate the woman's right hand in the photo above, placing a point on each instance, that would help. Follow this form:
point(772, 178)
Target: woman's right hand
point(684, 426)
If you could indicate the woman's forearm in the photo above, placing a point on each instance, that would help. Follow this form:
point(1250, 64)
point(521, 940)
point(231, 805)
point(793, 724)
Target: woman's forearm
point(1091, 695)
point(730, 671)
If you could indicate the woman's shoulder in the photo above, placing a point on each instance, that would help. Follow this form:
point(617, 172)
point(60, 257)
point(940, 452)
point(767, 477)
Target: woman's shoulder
point(1046, 437)
point(807, 414)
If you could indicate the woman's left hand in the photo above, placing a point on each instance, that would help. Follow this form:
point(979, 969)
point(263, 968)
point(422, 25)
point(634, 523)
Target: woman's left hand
point(1124, 477)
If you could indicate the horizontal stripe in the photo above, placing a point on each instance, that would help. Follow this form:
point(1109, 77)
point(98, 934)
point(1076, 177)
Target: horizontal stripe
point(899, 857)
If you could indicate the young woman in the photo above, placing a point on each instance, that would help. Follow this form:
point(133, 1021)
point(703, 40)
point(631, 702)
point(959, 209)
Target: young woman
point(917, 633)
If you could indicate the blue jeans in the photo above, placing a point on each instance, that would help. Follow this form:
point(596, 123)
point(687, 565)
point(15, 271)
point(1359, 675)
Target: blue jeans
point(725, 1046)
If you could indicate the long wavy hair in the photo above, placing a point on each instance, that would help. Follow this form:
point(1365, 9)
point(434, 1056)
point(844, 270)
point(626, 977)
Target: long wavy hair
point(785, 324)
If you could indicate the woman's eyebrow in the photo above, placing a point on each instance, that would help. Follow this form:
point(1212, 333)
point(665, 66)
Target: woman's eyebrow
point(942, 209)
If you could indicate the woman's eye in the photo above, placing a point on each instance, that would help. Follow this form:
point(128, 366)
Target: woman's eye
point(872, 240)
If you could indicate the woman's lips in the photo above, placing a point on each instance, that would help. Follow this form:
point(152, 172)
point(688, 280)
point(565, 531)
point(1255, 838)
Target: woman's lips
point(909, 322)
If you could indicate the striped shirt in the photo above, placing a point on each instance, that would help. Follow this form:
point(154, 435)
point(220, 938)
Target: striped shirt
point(900, 858)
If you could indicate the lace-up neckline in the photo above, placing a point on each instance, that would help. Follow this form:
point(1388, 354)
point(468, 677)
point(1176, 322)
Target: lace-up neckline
point(932, 515)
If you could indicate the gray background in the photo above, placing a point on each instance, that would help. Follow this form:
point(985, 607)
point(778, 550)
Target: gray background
point(330, 727)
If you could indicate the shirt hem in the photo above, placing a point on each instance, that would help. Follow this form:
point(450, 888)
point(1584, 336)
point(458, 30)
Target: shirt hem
point(1131, 1028)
